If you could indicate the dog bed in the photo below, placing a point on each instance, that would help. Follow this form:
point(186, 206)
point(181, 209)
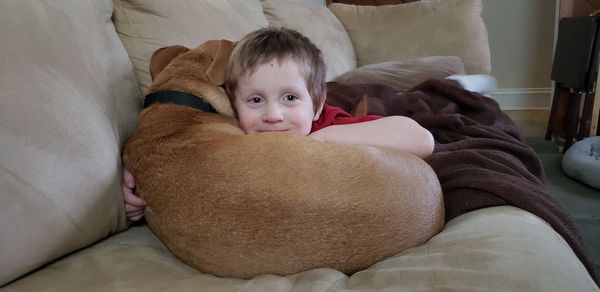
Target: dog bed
point(582, 162)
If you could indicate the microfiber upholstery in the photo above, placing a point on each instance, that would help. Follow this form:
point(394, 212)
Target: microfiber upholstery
point(582, 162)
point(403, 75)
point(370, 2)
point(69, 100)
point(418, 29)
point(323, 29)
point(145, 26)
point(493, 249)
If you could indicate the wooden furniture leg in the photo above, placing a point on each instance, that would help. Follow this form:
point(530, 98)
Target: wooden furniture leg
point(572, 119)
point(585, 123)
point(556, 120)
point(595, 115)
point(551, 118)
point(597, 126)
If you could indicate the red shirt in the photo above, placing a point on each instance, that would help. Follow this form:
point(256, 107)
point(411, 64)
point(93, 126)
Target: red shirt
point(332, 115)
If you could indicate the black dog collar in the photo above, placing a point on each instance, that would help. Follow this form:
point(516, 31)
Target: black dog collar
point(180, 98)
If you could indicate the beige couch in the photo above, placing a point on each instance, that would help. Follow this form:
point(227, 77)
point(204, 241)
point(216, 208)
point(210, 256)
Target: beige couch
point(72, 77)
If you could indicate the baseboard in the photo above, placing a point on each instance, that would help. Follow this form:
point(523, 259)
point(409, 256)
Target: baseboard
point(523, 98)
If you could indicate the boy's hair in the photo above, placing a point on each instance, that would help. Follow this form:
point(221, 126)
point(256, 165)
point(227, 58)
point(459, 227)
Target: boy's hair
point(264, 45)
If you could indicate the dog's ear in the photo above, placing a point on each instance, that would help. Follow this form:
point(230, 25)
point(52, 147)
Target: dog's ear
point(163, 56)
point(221, 51)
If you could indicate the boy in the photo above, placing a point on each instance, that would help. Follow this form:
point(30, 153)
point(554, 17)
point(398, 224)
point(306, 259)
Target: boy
point(276, 82)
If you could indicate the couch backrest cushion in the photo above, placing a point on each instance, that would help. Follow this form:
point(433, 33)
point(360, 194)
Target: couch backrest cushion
point(318, 2)
point(370, 2)
point(145, 26)
point(69, 99)
point(403, 75)
point(317, 23)
point(418, 29)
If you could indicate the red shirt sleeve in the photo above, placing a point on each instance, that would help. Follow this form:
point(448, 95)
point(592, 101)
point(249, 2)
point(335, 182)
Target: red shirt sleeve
point(332, 115)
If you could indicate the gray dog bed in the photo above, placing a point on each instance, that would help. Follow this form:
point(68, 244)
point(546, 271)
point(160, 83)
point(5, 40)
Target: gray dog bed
point(582, 162)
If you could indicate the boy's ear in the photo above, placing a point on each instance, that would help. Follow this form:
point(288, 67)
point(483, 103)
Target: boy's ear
point(319, 110)
point(361, 108)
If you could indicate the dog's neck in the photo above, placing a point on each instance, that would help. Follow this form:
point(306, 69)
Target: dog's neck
point(179, 98)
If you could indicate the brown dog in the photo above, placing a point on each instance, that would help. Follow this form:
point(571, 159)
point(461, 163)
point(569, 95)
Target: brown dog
point(238, 205)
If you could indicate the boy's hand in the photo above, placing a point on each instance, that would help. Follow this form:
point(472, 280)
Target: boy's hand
point(134, 205)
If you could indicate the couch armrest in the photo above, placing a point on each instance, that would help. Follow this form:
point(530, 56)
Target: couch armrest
point(69, 100)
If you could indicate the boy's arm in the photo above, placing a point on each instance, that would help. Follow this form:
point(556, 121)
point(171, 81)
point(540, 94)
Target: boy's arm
point(394, 132)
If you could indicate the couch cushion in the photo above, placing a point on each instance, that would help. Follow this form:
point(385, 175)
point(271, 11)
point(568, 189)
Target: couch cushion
point(403, 75)
point(418, 29)
point(494, 249)
point(323, 29)
point(317, 2)
point(145, 26)
point(69, 99)
point(370, 2)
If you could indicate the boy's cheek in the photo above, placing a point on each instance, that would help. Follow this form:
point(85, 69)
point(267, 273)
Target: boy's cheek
point(242, 117)
point(246, 124)
point(247, 129)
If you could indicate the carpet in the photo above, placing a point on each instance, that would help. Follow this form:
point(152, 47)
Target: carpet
point(581, 201)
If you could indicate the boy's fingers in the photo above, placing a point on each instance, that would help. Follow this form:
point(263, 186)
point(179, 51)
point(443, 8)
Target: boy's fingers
point(132, 208)
point(135, 213)
point(128, 178)
point(132, 199)
point(136, 218)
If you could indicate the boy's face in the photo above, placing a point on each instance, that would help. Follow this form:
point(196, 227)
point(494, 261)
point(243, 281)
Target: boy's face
point(275, 98)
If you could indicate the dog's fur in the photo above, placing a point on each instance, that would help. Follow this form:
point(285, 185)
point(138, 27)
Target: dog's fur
point(237, 205)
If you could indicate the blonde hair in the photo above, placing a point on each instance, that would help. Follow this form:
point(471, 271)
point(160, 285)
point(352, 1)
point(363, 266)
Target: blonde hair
point(267, 44)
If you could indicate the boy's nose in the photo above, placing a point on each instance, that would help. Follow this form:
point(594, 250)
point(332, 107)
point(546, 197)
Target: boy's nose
point(273, 114)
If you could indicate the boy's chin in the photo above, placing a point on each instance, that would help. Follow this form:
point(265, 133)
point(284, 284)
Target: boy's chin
point(301, 132)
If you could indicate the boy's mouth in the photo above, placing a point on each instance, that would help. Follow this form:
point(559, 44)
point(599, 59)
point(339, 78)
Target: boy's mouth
point(274, 130)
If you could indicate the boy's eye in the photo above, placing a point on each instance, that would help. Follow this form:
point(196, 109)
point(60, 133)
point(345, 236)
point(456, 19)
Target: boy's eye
point(255, 99)
point(290, 97)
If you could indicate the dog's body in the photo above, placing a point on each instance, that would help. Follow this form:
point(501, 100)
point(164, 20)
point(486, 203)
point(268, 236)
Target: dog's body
point(239, 205)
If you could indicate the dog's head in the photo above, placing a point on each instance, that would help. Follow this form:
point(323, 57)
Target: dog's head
point(199, 71)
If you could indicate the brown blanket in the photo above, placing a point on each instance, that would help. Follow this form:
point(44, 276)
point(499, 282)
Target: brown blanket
point(479, 157)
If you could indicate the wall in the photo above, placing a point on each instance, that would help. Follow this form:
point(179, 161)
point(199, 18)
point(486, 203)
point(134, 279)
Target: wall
point(521, 36)
point(578, 7)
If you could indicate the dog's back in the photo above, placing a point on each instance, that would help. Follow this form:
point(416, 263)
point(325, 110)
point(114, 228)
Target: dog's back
point(241, 205)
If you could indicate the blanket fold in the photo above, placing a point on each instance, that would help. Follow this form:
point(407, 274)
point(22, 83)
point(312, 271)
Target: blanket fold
point(480, 157)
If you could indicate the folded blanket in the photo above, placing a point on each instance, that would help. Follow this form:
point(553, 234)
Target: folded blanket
point(480, 157)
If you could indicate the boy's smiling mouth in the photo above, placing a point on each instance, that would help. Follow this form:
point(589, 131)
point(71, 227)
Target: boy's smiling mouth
point(273, 130)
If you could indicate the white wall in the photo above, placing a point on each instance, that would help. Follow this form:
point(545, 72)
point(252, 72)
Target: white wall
point(521, 36)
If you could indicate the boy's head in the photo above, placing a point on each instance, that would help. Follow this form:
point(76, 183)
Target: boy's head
point(262, 64)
